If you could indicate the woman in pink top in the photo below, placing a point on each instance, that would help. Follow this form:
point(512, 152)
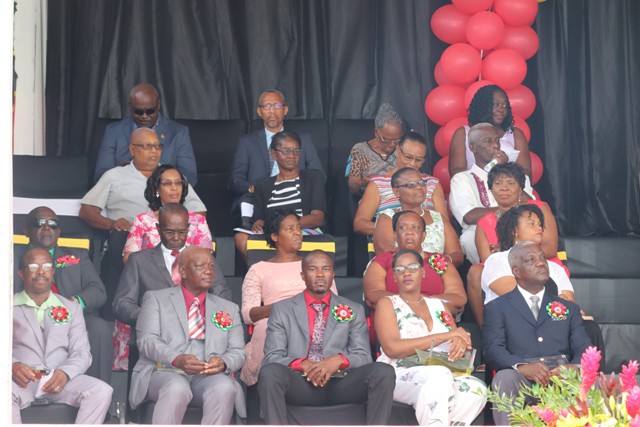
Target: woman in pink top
point(270, 281)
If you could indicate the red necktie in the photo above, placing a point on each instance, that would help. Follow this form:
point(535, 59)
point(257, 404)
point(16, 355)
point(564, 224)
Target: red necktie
point(175, 268)
point(196, 322)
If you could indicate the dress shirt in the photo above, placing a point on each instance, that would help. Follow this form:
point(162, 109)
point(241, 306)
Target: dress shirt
point(168, 258)
point(188, 300)
point(24, 299)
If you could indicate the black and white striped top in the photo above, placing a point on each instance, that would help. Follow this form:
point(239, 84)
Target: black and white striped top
point(286, 195)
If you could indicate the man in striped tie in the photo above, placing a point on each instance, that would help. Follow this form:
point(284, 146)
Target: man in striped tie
point(190, 342)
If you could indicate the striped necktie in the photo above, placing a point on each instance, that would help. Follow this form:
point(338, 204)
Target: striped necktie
point(196, 322)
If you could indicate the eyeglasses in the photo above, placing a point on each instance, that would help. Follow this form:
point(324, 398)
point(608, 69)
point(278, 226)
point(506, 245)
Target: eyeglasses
point(179, 233)
point(413, 184)
point(497, 105)
point(288, 151)
point(409, 158)
point(276, 105)
point(411, 267)
point(142, 112)
point(169, 183)
point(47, 266)
point(41, 222)
point(148, 147)
point(387, 141)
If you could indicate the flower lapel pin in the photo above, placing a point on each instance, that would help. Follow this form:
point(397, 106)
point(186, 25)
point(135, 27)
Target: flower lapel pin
point(557, 310)
point(342, 313)
point(222, 320)
point(59, 314)
point(63, 261)
point(445, 318)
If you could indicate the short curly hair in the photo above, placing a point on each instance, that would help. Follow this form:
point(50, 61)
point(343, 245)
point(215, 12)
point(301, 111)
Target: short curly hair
point(153, 185)
point(481, 108)
point(508, 224)
point(510, 169)
point(272, 223)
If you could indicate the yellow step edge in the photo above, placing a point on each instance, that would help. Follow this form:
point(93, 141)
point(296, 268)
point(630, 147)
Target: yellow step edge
point(65, 242)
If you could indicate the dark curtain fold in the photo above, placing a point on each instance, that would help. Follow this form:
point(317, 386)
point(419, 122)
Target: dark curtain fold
point(339, 59)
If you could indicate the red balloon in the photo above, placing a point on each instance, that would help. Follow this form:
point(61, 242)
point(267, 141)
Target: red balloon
point(506, 67)
point(485, 30)
point(516, 12)
point(448, 24)
point(523, 126)
point(461, 63)
point(445, 103)
point(523, 40)
point(472, 6)
point(441, 171)
point(473, 88)
point(446, 133)
point(522, 100)
point(536, 168)
point(438, 142)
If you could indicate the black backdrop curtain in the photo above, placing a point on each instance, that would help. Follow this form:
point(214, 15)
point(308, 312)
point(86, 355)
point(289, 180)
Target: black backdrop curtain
point(337, 59)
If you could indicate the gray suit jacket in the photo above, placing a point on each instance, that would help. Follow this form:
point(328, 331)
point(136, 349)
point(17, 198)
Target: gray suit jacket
point(62, 346)
point(178, 151)
point(146, 271)
point(163, 334)
point(288, 334)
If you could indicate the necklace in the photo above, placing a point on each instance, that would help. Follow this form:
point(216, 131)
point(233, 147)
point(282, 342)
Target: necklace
point(383, 156)
point(412, 302)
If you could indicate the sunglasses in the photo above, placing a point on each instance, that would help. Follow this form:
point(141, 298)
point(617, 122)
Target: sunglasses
point(142, 112)
point(47, 266)
point(41, 222)
point(288, 151)
point(411, 267)
point(413, 184)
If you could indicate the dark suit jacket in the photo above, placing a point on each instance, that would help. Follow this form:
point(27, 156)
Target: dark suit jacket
point(511, 333)
point(251, 162)
point(114, 149)
point(80, 279)
point(146, 271)
point(311, 188)
point(288, 335)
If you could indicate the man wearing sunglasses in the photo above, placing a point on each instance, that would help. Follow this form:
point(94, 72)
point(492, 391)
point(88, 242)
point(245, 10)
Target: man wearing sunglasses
point(50, 345)
point(144, 108)
point(75, 278)
point(252, 161)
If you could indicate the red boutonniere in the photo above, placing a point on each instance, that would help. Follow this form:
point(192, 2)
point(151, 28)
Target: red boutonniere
point(63, 261)
point(342, 313)
point(59, 314)
point(222, 320)
point(557, 310)
point(438, 262)
point(445, 318)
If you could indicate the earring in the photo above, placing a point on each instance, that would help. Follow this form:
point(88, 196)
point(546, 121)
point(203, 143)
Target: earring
point(157, 194)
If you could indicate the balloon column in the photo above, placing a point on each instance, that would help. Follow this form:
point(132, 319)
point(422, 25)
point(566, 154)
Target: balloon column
point(490, 43)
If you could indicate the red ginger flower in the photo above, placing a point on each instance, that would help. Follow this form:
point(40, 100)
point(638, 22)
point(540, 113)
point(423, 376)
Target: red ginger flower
point(628, 375)
point(635, 421)
point(590, 366)
point(549, 417)
point(633, 402)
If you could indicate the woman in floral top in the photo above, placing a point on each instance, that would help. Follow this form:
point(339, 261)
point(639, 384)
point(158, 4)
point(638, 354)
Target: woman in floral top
point(408, 321)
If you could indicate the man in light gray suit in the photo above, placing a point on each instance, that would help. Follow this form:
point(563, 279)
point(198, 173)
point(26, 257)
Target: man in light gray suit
point(190, 341)
point(50, 337)
point(317, 352)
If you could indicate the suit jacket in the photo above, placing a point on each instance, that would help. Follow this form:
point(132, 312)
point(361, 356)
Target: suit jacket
point(146, 271)
point(163, 334)
point(80, 279)
point(511, 334)
point(252, 160)
point(114, 149)
point(62, 346)
point(288, 335)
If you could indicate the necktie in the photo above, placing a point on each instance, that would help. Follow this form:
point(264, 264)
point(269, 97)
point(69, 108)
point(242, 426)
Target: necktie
point(315, 351)
point(196, 322)
point(175, 268)
point(535, 306)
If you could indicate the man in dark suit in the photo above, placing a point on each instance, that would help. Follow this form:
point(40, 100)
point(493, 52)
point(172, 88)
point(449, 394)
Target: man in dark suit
point(190, 342)
point(317, 352)
point(76, 278)
point(144, 106)
point(527, 323)
point(252, 160)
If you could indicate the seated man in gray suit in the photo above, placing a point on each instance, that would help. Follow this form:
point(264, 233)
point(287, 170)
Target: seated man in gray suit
point(190, 341)
point(144, 109)
point(50, 344)
point(75, 278)
point(317, 352)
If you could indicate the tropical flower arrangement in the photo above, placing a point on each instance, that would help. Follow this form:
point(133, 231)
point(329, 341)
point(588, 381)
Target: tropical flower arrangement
point(578, 398)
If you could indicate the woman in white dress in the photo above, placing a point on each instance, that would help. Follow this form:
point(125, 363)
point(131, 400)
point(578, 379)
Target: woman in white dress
point(409, 321)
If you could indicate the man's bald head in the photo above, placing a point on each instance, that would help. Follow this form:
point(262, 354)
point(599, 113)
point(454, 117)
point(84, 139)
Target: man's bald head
point(144, 104)
point(42, 227)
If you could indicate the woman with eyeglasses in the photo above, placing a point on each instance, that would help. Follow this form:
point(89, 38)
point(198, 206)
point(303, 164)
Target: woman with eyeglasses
point(409, 321)
point(379, 196)
point(165, 185)
point(490, 104)
point(411, 190)
point(302, 191)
